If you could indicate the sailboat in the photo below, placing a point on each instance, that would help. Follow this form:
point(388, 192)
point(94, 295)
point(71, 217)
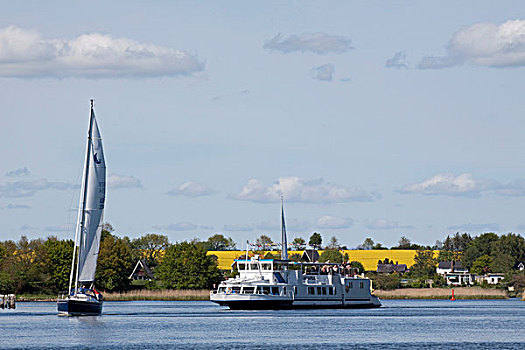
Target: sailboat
point(82, 297)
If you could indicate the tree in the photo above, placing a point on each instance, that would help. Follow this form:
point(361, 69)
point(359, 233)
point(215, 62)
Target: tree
point(334, 243)
point(357, 265)
point(368, 244)
point(479, 246)
point(404, 242)
point(219, 242)
point(115, 264)
point(482, 265)
point(298, 243)
point(186, 266)
point(425, 265)
point(331, 255)
point(458, 243)
point(502, 262)
point(385, 281)
point(59, 257)
point(149, 247)
point(264, 242)
point(447, 255)
point(315, 240)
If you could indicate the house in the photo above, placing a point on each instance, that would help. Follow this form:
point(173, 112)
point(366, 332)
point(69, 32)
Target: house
point(310, 255)
point(142, 272)
point(491, 278)
point(459, 278)
point(390, 268)
point(445, 267)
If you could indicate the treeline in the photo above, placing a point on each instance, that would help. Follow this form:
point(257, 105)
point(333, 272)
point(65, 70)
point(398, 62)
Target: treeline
point(41, 266)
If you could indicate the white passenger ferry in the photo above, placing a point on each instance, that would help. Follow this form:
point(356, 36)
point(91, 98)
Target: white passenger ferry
point(281, 283)
point(278, 284)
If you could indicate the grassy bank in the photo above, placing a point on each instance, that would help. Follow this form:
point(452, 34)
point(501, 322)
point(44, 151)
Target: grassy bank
point(442, 293)
point(164, 294)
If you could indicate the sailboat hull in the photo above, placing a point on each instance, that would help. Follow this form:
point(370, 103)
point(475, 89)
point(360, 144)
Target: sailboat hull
point(76, 307)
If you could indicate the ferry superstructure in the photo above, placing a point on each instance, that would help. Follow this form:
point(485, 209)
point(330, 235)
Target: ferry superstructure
point(280, 284)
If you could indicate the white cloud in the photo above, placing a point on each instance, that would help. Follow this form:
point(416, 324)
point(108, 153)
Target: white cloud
point(324, 72)
point(18, 172)
point(179, 226)
point(319, 43)
point(59, 228)
point(447, 184)
point(191, 189)
point(384, 224)
point(465, 185)
point(333, 222)
point(238, 227)
point(295, 189)
point(25, 54)
point(397, 61)
point(123, 181)
point(475, 227)
point(484, 44)
point(275, 225)
point(17, 206)
point(30, 188)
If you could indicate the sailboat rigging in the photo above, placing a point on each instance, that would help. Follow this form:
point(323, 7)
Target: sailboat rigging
point(82, 297)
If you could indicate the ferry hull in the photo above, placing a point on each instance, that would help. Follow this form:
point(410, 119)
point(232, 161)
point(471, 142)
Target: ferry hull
point(72, 307)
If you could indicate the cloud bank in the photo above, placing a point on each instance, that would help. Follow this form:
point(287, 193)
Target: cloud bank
point(295, 189)
point(448, 184)
point(475, 227)
point(483, 44)
point(30, 188)
point(333, 222)
point(18, 172)
point(191, 189)
point(25, 54)
point(397, 61)
point(318, 43)
point(384, 224)
point(179, 226)
point(123, 181)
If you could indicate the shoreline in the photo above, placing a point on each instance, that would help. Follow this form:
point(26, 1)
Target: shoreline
point(460, 293)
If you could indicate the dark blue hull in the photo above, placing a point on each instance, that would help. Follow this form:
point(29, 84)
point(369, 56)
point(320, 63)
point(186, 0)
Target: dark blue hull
point(74, 307)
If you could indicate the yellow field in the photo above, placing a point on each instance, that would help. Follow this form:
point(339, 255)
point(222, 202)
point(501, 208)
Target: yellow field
point(368, 258)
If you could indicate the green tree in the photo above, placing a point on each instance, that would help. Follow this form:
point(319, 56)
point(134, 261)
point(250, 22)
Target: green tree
point(334, 243)
point(264, 242)
point(482, 265)
point(368, 244)
point(315, 240)
point(502, 262)
point(59, 257)
point(479, 246)
point(425, 265)
point(385, 281)
point(115, 264)
point(357, 265)
point(331, 255)
point(511, 250)
point(219, 242)
point(186, 266)
point(447, 255)
point(298, 243)
point(149, 247)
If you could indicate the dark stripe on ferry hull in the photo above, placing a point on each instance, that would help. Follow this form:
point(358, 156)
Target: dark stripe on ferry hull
point(79, 307)
point(282, 304)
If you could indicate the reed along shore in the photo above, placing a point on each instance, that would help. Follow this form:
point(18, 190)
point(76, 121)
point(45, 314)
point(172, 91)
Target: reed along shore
point(162, 294)
point(442, 293)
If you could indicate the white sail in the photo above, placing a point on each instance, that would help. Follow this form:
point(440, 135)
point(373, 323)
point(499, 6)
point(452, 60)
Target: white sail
point(284, 240)
point(94, 192)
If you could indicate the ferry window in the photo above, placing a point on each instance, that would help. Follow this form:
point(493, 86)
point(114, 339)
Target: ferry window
point(319, 290)
point(222, 289)
point(311, 290)
point(240, 266)
point(266, 290)
point(248, 290)
point(324, 290)
point(331, 290)
point(266, 266)
point(361, 284)
point(284, 290)
point(275, 290)
point(254, 267)
point(236, 289)
point(295, 290)
point(351, 285)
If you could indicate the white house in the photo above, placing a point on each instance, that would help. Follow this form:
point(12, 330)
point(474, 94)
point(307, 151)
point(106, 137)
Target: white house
point(445, 267)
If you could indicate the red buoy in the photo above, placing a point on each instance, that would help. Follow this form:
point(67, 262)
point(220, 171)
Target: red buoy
point(452, 295)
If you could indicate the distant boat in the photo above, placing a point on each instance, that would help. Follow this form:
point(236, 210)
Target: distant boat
point(82, 297)
point(285, 284)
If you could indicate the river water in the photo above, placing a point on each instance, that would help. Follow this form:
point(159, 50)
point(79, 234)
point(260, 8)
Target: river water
point(399, 324)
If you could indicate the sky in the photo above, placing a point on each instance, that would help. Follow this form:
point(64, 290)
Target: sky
point(373, 119)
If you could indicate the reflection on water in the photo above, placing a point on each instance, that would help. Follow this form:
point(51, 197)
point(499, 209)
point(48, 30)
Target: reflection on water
point(435, 324)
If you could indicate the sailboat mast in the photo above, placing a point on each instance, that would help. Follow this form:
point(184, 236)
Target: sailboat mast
point(81, 215)
point(284, 240)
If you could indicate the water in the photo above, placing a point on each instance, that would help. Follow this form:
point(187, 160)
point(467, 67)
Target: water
point(434, 324)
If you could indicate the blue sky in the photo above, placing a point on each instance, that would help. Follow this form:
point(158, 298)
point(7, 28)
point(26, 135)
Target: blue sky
point(373, 119)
